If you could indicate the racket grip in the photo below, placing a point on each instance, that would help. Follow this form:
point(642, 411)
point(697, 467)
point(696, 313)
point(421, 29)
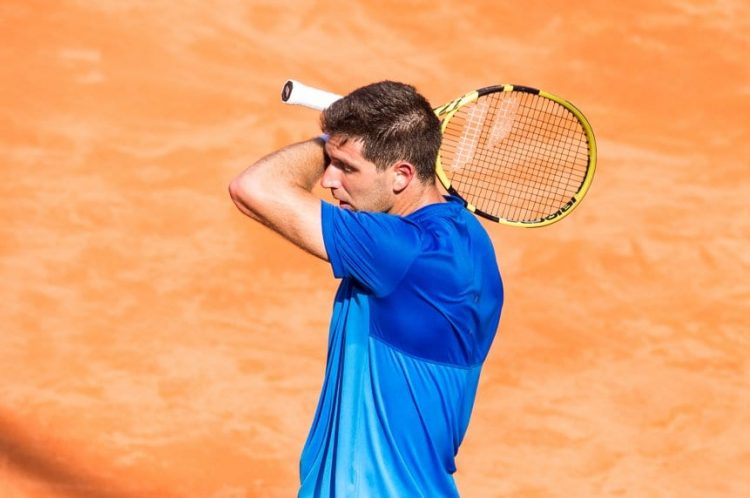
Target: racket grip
point(298, 93)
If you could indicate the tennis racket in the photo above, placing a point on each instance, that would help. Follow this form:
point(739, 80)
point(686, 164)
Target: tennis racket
point(514, 154)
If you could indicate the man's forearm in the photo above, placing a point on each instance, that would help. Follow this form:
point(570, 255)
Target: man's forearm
point(301, 165)
point(276, 191)
point(297, 166)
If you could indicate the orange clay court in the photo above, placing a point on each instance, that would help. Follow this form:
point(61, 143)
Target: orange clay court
point(155, 343)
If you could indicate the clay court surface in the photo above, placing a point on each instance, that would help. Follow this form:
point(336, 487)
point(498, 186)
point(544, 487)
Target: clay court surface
point(155, 343)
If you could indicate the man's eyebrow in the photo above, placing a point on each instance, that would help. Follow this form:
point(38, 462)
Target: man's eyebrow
point(334, 158)
point(340, 163)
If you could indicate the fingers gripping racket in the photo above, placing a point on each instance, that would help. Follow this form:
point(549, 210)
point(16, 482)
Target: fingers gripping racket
point(515, 155)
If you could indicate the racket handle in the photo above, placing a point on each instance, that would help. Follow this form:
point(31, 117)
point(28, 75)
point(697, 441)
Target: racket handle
point(298, 93)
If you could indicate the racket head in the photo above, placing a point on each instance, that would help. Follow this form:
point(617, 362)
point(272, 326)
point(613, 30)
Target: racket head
point(516, 155)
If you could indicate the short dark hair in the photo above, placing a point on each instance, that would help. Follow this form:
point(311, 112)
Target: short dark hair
point(394, 122)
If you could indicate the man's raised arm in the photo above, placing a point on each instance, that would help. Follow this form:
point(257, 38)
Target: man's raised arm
point(277, 191)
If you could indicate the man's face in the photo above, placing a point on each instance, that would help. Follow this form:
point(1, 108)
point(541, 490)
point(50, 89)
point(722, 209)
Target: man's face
point(353, 180)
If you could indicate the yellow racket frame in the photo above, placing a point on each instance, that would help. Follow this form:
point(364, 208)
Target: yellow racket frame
point(446, 111)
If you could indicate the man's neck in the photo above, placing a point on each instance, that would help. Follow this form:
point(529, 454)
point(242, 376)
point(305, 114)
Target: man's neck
point(411, 200)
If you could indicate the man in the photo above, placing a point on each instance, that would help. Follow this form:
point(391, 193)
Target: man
point(419, 300)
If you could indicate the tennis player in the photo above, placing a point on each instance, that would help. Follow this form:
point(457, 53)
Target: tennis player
point(418, 304)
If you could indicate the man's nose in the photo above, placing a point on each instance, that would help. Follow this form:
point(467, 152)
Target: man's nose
point(330, 178)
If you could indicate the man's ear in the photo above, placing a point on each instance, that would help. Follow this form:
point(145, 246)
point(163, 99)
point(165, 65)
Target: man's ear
point(403, 174)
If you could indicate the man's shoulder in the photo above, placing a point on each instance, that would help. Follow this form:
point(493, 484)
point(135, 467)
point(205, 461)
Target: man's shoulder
point(449, 217)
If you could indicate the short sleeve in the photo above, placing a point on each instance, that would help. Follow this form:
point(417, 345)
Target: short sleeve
point(375, 249)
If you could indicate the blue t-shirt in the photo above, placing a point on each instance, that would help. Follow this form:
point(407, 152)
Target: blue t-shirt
point(413, 320)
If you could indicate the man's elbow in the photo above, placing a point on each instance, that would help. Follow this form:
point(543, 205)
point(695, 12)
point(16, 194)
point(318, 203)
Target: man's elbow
point(245, 192)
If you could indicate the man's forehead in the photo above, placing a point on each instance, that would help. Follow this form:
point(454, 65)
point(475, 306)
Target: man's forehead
point(344, 145)
point(340, 140)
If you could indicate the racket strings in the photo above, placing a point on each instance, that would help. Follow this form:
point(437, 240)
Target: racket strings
point(514, 155)
point(534, 178)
